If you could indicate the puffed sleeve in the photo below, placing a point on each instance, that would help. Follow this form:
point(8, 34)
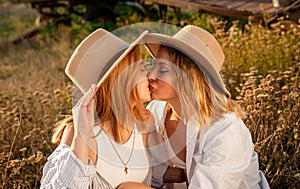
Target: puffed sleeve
point(224, 157)
point(64, 170)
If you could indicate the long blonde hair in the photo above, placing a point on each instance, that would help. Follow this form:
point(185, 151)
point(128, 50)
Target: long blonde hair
point(209, 103)
point(117, 95)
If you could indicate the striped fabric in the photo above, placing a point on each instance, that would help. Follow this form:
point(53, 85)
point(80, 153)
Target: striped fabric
point(64, 170)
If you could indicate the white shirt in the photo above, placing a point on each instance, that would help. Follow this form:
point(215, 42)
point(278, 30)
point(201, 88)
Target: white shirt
point(220, 156)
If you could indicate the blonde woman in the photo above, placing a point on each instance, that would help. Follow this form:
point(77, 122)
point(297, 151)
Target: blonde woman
point(102, 144)
point(200, 133)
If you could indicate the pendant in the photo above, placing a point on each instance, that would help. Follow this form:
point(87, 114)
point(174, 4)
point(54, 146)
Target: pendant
point(126, 169)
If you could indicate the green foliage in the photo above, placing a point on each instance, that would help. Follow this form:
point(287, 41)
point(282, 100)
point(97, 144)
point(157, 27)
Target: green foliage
point(126, 15)
point(6, 27)
point(48, 30)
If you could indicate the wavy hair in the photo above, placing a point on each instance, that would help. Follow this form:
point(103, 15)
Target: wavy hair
point(197, 94)
point(117, 99)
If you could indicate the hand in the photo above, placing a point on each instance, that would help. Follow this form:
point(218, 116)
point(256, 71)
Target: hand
point(175, 175)
point(83, 114)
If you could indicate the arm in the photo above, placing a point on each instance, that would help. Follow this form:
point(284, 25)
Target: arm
point(132, 185)
point(174, 175)
point(223, 159)
point(68, 167)
point(84, 144)
point(64, 170)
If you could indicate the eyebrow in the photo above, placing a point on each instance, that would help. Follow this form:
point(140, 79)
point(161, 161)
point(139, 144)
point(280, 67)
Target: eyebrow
point(161, 62)
point(145, 63)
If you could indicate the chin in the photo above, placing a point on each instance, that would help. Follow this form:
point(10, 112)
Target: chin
point(153, 97)
point(146, 99)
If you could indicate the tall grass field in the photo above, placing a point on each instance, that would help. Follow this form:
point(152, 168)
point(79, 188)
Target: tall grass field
point(261, 69)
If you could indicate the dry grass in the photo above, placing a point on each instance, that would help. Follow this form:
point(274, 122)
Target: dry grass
point(34, 96)
point(261, 68)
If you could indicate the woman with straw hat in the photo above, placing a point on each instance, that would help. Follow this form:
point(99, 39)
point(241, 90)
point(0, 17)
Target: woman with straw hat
point(102, 144)
point(200, 134)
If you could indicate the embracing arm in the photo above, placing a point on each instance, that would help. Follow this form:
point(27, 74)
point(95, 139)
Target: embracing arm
point(174, 175)
point(133, 185)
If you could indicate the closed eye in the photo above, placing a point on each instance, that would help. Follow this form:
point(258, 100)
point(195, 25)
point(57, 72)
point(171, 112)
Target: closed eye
point(163, 67)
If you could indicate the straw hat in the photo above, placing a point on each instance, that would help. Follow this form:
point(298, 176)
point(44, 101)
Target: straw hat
point(96, 56)
point(196, 43)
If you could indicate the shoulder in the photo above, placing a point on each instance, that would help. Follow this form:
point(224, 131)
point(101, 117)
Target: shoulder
point(229, 123)
point(233, 123)
point(228, 132)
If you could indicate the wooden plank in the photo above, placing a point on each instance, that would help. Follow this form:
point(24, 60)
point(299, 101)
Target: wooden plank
point(227, 4)
point(222, 3)
point(211, 2)
point(236, 4)
point(253, 7)
point(243, 9)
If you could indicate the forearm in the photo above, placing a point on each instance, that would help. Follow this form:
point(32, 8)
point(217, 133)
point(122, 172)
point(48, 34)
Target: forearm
point(63, 169)
point(80, 148)
point(133, 185)
point(174, 174)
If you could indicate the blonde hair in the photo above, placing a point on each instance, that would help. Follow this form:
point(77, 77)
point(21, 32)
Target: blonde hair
point(117, 95)
point(207, 101)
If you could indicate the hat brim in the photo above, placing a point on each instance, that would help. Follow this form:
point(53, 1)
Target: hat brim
point(153, 42)
point(123, 55)
point(96, 56)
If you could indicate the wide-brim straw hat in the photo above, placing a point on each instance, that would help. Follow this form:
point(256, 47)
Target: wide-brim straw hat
point(96, 56)
point(196, 43)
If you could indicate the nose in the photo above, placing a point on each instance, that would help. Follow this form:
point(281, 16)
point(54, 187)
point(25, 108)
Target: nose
point(152, 75)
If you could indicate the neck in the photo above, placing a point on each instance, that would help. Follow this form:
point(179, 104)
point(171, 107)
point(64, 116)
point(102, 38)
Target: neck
point(176, 109)
point(123, 133)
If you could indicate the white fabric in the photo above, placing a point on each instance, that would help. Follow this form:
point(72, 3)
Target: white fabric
point(220, 156)
point(111, 166)
point(64, 170)
point(174, 160)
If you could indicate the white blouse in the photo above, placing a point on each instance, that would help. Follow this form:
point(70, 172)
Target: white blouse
point(220, 156)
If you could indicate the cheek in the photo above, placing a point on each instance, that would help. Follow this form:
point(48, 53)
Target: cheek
point(168, 78)
point(167, 82)
point(166, 89)
point(143, 90)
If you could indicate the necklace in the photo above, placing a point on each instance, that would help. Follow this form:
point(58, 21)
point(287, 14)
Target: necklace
point(116, 151)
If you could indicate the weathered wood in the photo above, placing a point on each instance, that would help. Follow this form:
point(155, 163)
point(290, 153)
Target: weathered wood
point(243, 9)
point(254, 10)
